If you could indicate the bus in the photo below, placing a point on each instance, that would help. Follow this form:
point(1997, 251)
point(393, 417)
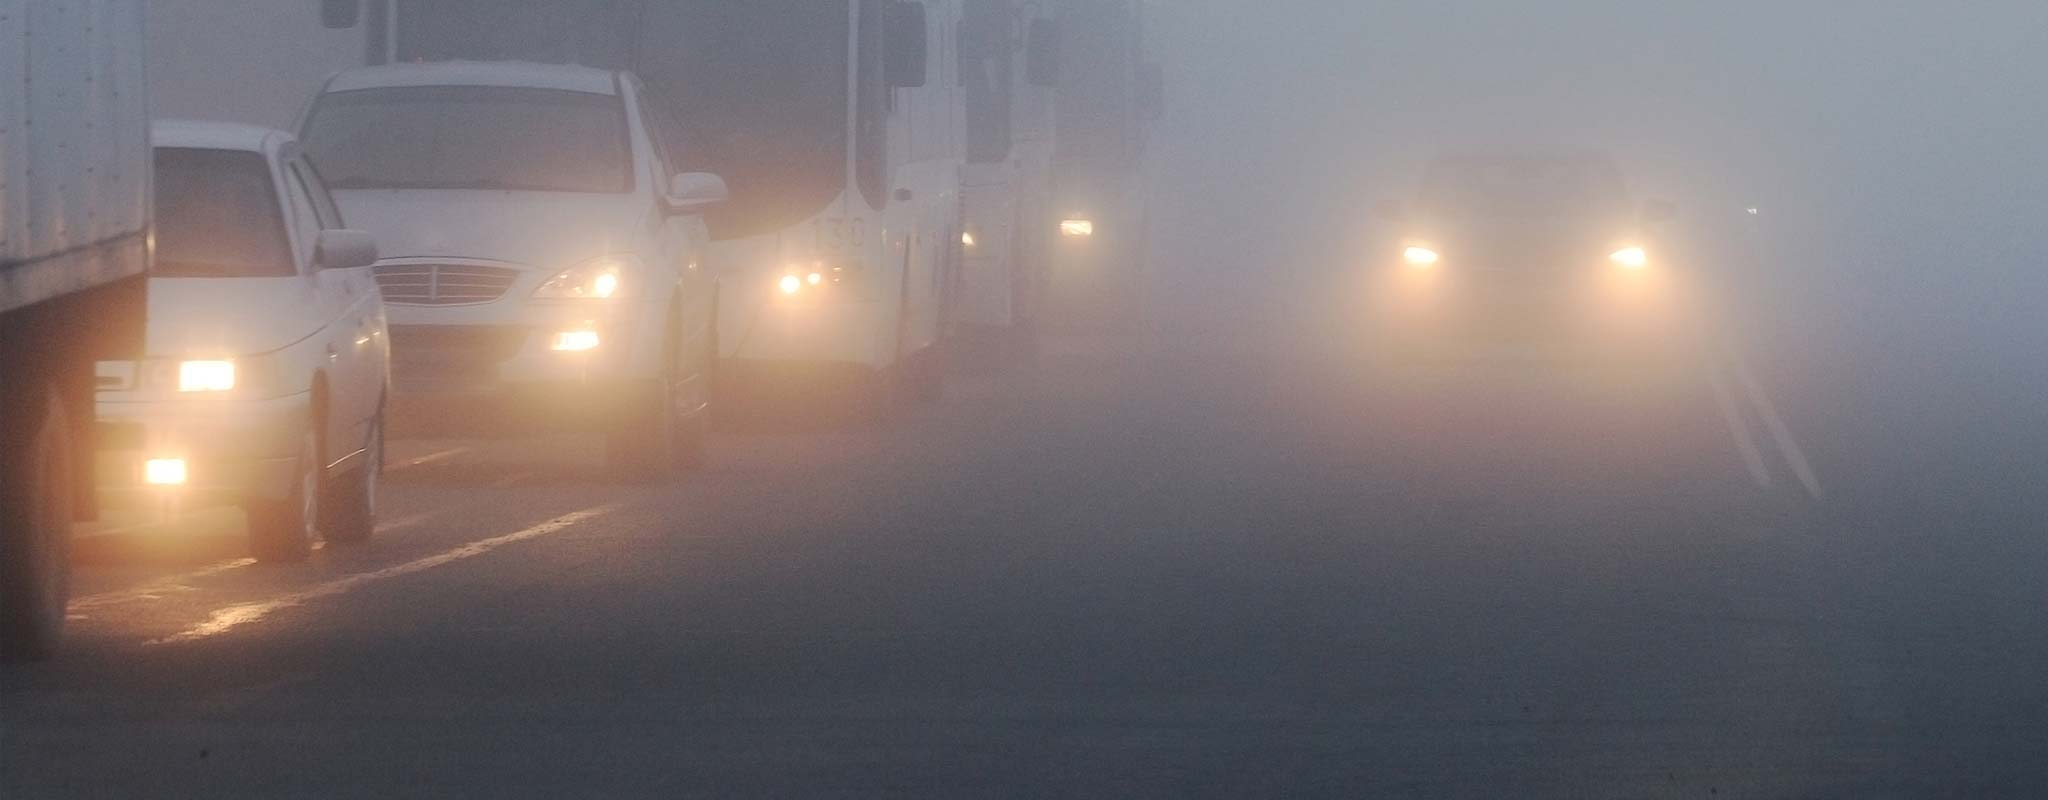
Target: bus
point(1009, 71)
point(1109, 95)
point(837, 124)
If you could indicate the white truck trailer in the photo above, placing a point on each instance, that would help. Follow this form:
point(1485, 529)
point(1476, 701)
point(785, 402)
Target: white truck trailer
point(74, 253)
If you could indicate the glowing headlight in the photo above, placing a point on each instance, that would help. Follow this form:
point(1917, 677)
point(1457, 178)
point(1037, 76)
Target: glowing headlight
point(597, 279)
point(967, 238)
point(164, 472)
point(790, 284)
point(1630, 257)
point(1077, 228)
point(206, 376)
point(1420, 256)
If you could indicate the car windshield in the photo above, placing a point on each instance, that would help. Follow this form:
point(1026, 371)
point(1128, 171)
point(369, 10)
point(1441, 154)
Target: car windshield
point(471, 137)
point(1521, 187)
point(217, 216)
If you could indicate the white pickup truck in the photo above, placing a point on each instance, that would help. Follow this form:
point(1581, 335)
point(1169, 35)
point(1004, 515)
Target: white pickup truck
point(74, 253)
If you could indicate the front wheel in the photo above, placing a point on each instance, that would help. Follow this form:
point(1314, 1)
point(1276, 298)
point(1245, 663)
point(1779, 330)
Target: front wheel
point(282, 531)
point(352, 497)
point(35, 534)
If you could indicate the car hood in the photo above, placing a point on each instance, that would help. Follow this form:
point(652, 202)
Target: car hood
point(544, 230)
point(227, 317)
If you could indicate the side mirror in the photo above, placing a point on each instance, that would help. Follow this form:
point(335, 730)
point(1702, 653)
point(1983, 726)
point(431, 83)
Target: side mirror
point(344, 249)
point(1152, 90)
point(1659, 211)
point(908, 48)
point(340, 14)
point(1042, 53)
point(693, 192)
point(1391, 211)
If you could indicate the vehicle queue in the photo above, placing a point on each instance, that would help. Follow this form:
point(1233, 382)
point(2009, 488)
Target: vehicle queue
point(491, 210)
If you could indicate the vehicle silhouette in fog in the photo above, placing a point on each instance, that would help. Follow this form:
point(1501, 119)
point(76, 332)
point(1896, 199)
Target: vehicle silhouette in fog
point(1545, 251)
point(544, 252)
point(264, 378)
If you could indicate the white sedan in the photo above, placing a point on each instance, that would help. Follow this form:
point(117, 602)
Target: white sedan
point(264, 378)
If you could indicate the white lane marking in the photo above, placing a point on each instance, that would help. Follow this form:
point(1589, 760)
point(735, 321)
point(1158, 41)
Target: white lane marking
point(156, 589)
point(430, 458)
point(1776, 425)
point(231, 617)
point(511, 480)
point(1739, 428)
point(182, 582)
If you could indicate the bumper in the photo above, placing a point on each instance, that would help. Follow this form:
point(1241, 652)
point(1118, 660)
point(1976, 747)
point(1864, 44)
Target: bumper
point(234, 451)
point(485, 352)
point(1609, 313)
point(815, 326)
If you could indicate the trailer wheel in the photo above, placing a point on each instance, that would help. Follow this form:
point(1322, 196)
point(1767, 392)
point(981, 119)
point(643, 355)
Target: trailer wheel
point(35, 534)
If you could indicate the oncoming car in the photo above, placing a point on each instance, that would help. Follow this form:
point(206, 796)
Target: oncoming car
point(542, 248)
point(1522, 250)
point(263, 381)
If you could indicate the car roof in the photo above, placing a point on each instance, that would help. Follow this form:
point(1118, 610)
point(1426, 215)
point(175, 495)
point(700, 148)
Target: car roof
point(515, 74)
point(217, 136)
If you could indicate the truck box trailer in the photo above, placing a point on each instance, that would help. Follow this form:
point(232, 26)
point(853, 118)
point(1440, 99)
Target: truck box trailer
point(74, 254)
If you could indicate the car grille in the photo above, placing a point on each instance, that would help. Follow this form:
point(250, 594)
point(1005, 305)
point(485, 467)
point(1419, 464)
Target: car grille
point(451, 356)
point(443, 284)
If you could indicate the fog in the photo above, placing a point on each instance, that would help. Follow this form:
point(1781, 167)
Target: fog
point(1894, 152)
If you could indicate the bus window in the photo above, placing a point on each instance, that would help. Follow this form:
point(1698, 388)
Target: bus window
point(985, 73)
point(754, 91)
point(871, 123)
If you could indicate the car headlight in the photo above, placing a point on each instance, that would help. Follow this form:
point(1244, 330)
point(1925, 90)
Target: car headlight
point(1420, 256)
point(206, 376)
point(596, 279)
point(1077, 228)
point(243, 376)
point(1630, 257)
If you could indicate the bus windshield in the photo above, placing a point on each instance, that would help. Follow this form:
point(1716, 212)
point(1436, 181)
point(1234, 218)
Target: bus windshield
point(471, 137)
point(755, 92)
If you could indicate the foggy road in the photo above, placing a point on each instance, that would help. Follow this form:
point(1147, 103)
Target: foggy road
point(1200, 561)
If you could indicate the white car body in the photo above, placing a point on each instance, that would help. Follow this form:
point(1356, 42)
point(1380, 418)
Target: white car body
point(493, 345)
point(309, 347)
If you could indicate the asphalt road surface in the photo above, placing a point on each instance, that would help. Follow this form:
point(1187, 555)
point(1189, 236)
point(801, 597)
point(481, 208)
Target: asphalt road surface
point(1208, 559)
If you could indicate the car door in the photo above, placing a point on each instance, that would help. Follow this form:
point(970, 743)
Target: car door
point(337, 315)
point(683, 239)
point(367, 343)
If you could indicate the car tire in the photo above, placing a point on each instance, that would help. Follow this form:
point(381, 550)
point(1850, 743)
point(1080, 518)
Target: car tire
point(693, 431)
point(35, 533)
point(640, 448)
point(282, 531)
point(351, 502)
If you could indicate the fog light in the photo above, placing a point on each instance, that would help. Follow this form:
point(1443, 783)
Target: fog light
point(790, 284)
point(574, 341)
point(1077, 228)
point(164, 472)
